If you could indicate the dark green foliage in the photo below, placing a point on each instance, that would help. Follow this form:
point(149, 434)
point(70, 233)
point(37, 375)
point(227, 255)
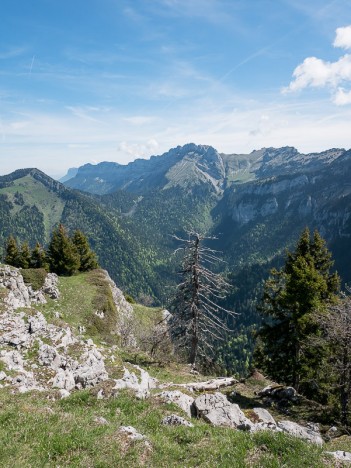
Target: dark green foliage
point(39, 258)
point(12, 253)
point(87, 257)
point(24, 256)
point(63, 256)
point(292, 296)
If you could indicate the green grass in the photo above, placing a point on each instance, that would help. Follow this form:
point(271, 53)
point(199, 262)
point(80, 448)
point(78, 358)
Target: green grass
point(35, 431)
point(35, 193)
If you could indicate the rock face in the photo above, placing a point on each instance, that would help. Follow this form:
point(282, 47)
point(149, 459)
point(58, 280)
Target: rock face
point(218, 411)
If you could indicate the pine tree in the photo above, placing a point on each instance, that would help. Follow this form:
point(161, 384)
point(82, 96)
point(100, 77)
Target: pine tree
point(292, 297)
point(39, 258)
point(198, 322)
point(24, 256)
point(12, 252)
point(88, 260)
point(62, 254)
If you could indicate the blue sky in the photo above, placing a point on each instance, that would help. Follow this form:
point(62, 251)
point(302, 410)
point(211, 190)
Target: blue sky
point(94, 80)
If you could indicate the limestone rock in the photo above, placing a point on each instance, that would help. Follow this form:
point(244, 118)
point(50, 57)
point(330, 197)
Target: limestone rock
point(301, 432)
point(175, 420)
point(218, 411)
point(48, 356)
point(141, 385)
point(185, 402)
point(92, 371)
point(341, 455)
point(131, 433)
point(51, 286)
point(64, 380)
point(264, 416)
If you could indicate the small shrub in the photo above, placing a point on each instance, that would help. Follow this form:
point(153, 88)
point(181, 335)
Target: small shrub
point(34, 276)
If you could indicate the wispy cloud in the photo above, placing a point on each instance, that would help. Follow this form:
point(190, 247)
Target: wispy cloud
point(12, 52)
point(318, 73)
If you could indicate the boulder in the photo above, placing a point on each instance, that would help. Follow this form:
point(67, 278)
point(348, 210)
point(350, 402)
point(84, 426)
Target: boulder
point(264, 416)
point(64, 380)
point(92, 371)
point(185, 402)
point(294, 429)
point(175, 420)
point(50, 286)
point(218, 411)
point(48, 356)
point(131, 433)
point(140, 385)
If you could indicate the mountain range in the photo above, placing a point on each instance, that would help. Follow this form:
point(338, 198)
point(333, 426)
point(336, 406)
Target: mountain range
point(255, 205)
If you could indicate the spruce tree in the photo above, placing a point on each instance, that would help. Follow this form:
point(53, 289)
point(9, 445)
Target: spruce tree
point(24, 256)
point(292, 297)
point(62, 254)
point(39, 258)
point(12, 252)
point(88, 260)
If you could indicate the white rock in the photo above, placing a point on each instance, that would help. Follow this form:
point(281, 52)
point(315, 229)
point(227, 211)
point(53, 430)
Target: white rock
point(264, 416)
point(64, 379)
point(301, 432)
point(131, 433)
point(218, 411)
point(64, 393)
point(185, 402)
point(175, 420)
point(341, 455)
point(141, 385)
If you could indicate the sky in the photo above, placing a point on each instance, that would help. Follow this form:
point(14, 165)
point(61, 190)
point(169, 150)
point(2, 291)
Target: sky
point(112, 80)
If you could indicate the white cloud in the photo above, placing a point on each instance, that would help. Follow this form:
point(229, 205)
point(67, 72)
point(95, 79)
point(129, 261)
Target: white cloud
point(343, 38)
point(317, 73)
point(314, 72)
point(342, 97)
point(139, 149)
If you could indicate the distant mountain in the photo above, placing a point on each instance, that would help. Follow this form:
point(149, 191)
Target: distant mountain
point(72, 172)
point(31, 204)
point(193, 165)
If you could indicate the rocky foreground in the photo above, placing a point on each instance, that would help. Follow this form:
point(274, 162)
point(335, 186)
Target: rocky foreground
point(39, 354)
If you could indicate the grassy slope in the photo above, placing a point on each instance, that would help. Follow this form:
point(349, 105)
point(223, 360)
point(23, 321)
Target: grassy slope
point(35, 193)
point(39, 429)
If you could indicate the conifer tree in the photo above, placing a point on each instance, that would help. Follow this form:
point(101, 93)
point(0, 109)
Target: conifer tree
point(88, 260)
point(24, 256)
point(39, 258)
point(198, 321)
point(292, 297)
point(12, 252)
point(62, 254)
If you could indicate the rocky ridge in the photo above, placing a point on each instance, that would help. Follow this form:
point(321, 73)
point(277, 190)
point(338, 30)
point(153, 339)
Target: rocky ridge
point(37, 355)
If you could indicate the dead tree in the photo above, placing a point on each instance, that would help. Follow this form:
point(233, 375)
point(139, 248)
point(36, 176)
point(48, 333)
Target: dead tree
point(198, 323)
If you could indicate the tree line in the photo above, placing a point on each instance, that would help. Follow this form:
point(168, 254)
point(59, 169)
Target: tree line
point(64, 256)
